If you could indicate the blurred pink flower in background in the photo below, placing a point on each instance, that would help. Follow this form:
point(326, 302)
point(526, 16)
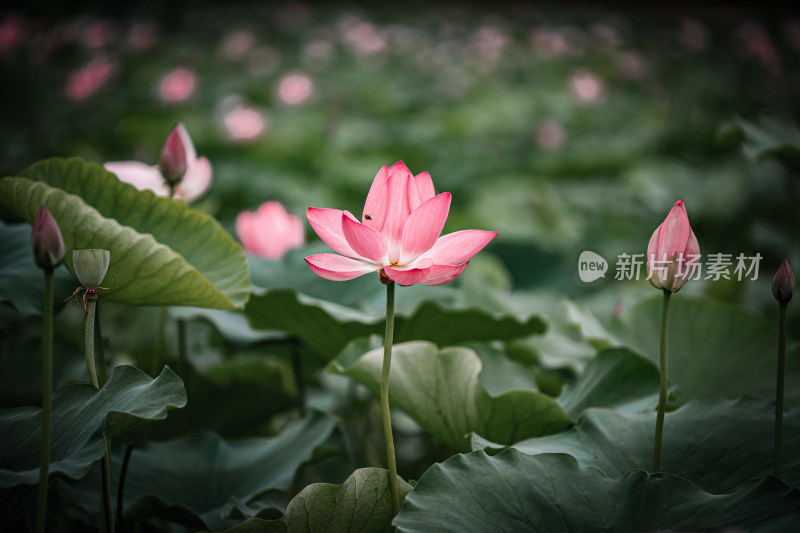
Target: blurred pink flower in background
point(294, 89)
point(791, 31)
point(142, 36)
point(631, 65)
point(317, 54)
point(398, 236)
point(237, 43)
point(759, 45)
point(195, 182)
point(12, 31)
point(97, 35)
point(87, 80)
point(270, 231)
point(263, 60)
point(293, 17)
point(550, 134)
point(362, 36)
point(693, 35)
point(549, 42)
point(489, 42)
point(244, 123)
point(587, 87)
point(177, 85)
point(606, 34)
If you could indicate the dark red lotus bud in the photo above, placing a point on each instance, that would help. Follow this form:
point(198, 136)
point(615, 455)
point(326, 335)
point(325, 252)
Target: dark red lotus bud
point(48, 245)
point(783, 283)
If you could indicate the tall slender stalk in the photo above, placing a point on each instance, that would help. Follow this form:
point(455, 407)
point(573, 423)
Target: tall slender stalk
point(108, 511)
point(155, 362)
point(47, 388)
point(662, 392)
point(102, 368)
point(297, 370)
point(108, 504)
point(123, 473)
point(91, 306)
point(779, 389)
point(387, 420)
point(183, 367)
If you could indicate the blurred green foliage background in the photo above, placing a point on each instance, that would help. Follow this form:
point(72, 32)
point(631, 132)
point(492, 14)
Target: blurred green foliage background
point(563, 128)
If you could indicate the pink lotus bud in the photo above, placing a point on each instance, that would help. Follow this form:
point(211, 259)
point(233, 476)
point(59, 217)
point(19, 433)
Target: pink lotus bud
point(783, 283)
point(271, 231)
point(173, 157)
point(48, 245)
point(673, 252)
point(195, 182)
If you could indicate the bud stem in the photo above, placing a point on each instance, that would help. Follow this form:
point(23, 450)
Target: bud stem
point(155, 362)
point(183, 364)
point(662, 392)
point(91, 306)
point(108, 512)
point(47, 387)
point(102, 368)
point(779, 389)
point(387, 420)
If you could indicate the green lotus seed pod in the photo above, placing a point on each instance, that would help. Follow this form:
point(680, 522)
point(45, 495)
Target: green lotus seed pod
point(91, 266)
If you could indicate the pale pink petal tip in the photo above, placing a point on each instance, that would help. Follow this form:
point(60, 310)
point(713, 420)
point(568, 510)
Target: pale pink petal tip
point(338, 268)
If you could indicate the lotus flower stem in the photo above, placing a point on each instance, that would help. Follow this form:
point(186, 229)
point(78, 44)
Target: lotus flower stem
point(183, 352)
point(47, 387)
point(183, 365)
point(779, 389)
point(108, 505)
point(102, 369)
point(662, 392)
point(108, 512)
point(297, 370)
point(387, 420)
point(123, 474)
point(155, 362)
point(91, 307)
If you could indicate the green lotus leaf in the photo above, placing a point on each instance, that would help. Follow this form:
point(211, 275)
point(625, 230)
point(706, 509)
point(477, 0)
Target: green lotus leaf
point(162, 251)
point(715, 348)
point(440, 390)
point(82, 417)
point(327, 327)
point(717, 444)
point(362, 503)
point(552, 492)
point(203, 481)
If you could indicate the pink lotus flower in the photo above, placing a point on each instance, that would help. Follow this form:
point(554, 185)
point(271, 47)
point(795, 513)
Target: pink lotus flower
point(398, 235)
point(673, 251)
point(196, 179)
point(270, 231)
